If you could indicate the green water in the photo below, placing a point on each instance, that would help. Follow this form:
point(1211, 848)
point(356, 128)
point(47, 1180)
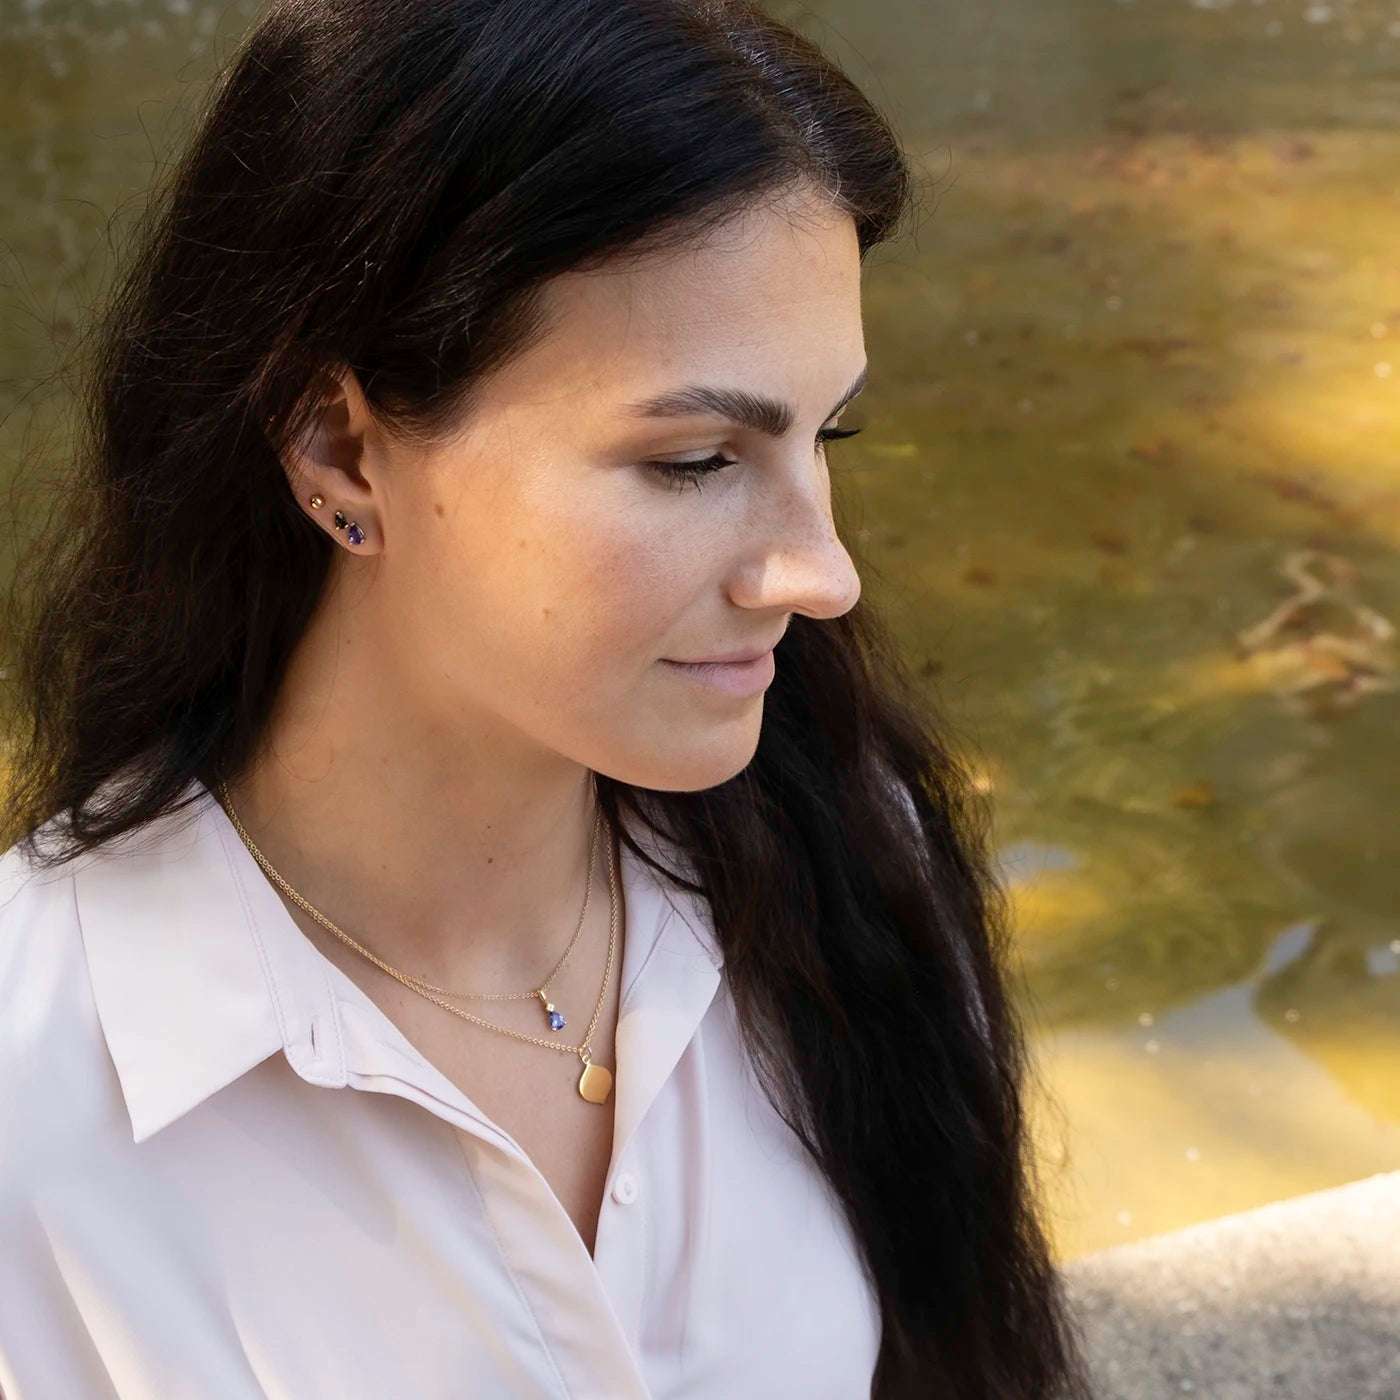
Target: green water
point(1131, 485)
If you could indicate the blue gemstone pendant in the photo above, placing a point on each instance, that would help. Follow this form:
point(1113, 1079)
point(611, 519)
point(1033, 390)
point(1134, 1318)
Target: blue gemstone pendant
point(556, 1019)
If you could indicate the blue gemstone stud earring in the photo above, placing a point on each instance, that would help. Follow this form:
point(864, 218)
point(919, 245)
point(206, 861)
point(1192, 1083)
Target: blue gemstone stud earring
point(352, 530)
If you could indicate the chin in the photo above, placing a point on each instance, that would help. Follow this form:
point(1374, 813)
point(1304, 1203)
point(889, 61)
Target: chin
point(706, 761)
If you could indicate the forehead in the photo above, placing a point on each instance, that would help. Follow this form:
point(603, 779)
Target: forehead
point(773, 291)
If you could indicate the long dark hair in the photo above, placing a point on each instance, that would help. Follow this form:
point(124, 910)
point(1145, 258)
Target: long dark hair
point(387, 184)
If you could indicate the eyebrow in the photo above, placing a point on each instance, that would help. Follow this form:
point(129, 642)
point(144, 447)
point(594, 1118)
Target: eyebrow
point(757, 411)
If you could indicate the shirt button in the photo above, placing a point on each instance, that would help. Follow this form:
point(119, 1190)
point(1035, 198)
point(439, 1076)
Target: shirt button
point(625, 1188)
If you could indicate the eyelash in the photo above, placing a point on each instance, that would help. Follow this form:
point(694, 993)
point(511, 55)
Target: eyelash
point(684, 473)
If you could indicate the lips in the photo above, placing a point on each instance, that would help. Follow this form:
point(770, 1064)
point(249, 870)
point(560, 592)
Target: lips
point(742, 678)
point(729, 658)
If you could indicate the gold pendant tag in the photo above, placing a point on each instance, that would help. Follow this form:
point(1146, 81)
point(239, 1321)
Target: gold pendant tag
point(595, 1083)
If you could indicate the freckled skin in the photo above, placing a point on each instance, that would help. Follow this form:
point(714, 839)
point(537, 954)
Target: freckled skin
point(549, 520)
point(500, 633)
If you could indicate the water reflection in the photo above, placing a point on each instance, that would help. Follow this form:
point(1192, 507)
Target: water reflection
point(1139, 382)
point(1208, 1107)
point(1129, 483)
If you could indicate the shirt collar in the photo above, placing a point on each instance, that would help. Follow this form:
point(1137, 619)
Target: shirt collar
point(199, 973)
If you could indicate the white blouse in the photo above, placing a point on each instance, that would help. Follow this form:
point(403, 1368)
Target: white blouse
point(195, 1206)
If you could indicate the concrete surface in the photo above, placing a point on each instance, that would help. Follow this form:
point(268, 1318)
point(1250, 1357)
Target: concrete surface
point(1297, 1300)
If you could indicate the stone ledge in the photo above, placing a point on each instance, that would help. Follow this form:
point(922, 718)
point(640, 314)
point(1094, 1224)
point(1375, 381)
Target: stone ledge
point(1296, 1300)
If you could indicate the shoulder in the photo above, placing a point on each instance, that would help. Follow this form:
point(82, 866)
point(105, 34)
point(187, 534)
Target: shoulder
point(39, 931)
point(54, 1070)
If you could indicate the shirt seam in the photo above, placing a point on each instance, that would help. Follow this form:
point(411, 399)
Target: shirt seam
point(694, 932)
point(263, 960)
point(489, 1132)
point(342, 1075)
point(505, 1259)
point(628, 990)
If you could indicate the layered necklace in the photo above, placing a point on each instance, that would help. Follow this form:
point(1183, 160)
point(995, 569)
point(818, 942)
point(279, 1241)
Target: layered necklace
point(595, 1083)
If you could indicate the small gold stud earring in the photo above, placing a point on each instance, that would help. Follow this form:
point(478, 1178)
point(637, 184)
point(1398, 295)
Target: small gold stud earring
point(317, 502)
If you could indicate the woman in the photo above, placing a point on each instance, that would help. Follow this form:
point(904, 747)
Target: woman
point(466, 404)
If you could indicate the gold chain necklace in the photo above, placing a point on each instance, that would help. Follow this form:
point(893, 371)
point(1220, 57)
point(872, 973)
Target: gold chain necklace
point(595, 1083)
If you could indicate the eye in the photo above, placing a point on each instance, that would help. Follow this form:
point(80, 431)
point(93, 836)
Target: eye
point(683, 473)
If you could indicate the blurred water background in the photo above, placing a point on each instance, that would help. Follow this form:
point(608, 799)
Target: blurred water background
point(1130, 483)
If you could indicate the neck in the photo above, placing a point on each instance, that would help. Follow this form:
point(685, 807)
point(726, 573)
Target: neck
point(459, 856)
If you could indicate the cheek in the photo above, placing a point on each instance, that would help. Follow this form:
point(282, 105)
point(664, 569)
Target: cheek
point(555, 629)
point(572, 606)
point(617, 592)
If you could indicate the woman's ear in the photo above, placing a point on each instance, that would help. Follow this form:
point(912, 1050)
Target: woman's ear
point(326, 461)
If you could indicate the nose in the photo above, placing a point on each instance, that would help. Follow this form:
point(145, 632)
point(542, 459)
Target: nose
point(797, 562)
